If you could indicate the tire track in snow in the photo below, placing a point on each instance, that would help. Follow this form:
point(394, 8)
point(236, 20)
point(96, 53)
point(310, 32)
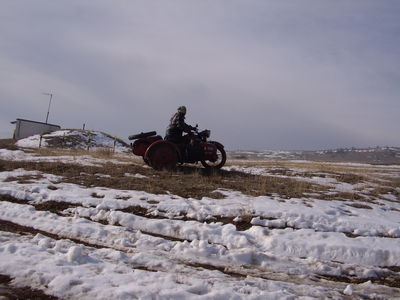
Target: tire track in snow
point(10, 292)
point(231, 271)
point(12, 227)
point(219, 269)
point(243, 224)
point(191, 273)
point(173, 235)
point(240, 273)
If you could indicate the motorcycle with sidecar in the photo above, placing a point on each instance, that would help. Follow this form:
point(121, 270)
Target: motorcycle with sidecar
point(162, 154)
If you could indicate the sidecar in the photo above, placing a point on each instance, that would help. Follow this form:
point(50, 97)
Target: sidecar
point(156, 152)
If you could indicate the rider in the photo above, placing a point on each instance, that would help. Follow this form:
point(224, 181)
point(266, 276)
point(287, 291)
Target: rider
point(177, 126)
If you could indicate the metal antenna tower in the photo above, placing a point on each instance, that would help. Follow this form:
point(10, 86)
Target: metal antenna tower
point(48, 109)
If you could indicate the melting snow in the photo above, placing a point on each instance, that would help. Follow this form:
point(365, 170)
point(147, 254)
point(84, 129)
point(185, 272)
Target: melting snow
point(159, 255)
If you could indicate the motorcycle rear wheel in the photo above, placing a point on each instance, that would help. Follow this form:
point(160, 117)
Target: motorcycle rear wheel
point(219, 163)
point(161, 156)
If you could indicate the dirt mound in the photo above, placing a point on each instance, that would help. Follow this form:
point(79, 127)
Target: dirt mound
point(74, 138)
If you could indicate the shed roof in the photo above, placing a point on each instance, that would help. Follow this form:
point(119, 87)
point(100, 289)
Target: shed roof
point(13, 122)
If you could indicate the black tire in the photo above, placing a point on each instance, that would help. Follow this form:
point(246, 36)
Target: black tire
point(146, 161)
point(220, 161)
point(161, 156)
point(142, 135)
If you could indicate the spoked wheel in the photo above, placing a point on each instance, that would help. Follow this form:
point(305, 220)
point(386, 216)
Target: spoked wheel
point(162, 155)
point(219, 162)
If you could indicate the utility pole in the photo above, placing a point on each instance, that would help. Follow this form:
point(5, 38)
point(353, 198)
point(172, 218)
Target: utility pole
point(48, 109)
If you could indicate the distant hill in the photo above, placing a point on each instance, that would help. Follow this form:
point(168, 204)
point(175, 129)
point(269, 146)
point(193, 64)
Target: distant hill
point(372, 155)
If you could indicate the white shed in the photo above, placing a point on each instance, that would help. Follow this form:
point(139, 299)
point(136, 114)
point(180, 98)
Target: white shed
point(25, 128)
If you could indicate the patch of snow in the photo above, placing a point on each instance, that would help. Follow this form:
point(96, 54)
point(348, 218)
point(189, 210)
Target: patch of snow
point(137, 175)
point(348, 290)
point(86, 160)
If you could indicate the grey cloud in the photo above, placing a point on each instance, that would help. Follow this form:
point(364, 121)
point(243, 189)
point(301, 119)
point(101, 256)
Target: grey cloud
point(259, 74)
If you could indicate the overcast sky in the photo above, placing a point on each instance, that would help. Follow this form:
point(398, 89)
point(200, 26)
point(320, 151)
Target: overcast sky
point(266, 74)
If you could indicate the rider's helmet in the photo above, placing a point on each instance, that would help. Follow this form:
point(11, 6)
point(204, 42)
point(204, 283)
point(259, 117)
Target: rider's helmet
point(182, 109)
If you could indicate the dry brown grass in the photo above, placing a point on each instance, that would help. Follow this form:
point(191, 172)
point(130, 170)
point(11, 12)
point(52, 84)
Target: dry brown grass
point(191, 181)
point(346, 196)
point(384, 190)
point(186, 181)
point(59, 152)
point(313, 166)
point(386, 177)
point(8, 144)
point(360, 205)
point(350, 178)
point(100, 153)
point(24, 179)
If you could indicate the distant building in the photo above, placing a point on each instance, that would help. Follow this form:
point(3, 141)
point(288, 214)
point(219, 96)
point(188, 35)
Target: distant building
point(25, 128)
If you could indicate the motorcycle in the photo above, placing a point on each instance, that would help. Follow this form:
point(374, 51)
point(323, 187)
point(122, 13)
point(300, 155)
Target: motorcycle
point(162, 154)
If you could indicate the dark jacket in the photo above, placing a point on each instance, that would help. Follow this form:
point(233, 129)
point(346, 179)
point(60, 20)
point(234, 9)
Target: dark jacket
point(176, 127)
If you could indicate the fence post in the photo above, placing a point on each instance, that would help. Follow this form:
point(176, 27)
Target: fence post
point(40, 140)
point(89, 140)
point(115, 142)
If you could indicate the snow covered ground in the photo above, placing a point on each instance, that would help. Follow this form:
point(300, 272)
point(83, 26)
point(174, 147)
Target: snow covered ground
point(80, 242)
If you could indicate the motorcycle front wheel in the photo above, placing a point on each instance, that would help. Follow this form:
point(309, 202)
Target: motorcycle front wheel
point(219, 162)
